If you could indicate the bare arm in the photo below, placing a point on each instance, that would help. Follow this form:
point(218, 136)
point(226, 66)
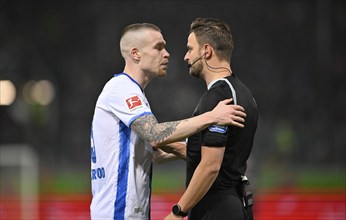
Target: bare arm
point(202, 179)
point(177, 148)
point(159, 134)
point(160, 156)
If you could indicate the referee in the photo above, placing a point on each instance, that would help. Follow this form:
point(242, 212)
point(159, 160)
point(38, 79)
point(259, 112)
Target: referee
point(216, 158)
point(125, 135)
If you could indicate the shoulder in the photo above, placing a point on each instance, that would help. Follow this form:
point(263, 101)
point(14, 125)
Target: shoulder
point(121, 84)
point(212, 97)
point(219, 90)
point(119, 80)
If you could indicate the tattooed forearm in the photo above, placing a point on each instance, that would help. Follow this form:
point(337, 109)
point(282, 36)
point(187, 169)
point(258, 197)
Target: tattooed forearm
point(150, 130)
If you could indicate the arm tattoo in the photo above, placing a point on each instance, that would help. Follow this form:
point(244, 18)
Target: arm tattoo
point(150, 130)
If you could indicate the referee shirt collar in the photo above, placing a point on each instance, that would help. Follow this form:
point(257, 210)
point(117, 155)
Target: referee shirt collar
point(213, 82)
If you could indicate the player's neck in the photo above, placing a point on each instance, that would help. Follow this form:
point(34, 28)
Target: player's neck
point(138, 76)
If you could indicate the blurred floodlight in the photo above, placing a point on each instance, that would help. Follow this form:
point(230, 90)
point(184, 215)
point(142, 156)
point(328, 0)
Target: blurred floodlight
point(7, 92)
point(27, 91)
point(41, 92)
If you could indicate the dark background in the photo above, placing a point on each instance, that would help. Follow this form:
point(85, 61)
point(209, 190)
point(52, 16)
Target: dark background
point(291, 54)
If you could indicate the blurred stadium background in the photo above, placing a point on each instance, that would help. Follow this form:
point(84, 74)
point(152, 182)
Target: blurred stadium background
point(57, 55)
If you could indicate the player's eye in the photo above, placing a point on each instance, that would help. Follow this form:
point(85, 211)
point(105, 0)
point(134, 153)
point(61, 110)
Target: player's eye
point(160, 47)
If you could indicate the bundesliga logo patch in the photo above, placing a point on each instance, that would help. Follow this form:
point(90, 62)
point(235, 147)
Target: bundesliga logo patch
point(133, 103)
point(218, 129)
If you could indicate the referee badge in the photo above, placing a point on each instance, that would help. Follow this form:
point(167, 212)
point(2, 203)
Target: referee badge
point(218, 129)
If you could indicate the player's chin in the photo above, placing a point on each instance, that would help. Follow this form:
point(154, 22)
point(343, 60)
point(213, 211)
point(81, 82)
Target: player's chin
point(162, 72)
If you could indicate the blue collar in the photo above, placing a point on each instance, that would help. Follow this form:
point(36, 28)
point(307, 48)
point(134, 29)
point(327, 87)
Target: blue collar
point(118, 74)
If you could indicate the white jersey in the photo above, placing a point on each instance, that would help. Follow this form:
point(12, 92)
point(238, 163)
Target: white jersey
point(121, 162)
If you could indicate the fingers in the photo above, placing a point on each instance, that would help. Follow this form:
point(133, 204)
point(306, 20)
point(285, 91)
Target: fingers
point(237, 124)
point(238, 119)
point(236, 112)
point(238, 108)
point(226, 101)
point(240, 113)
point(233, 120)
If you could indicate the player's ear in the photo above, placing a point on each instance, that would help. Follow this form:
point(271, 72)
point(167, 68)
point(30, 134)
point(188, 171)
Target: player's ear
point(135, 54)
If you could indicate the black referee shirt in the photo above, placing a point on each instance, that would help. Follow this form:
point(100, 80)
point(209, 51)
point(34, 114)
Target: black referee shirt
point(238, 141)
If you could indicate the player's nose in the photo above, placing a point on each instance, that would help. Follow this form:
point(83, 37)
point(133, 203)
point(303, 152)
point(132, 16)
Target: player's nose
point(166, 54)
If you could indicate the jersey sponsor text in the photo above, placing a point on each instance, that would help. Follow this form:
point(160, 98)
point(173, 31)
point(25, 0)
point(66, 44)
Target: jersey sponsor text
point(98, 173)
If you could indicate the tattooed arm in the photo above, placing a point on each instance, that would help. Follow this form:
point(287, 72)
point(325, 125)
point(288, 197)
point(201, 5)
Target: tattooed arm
point(156, 133)
point(159, 134)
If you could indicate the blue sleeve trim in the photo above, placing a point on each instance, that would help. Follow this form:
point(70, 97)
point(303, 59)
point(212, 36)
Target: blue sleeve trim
point(137, 116)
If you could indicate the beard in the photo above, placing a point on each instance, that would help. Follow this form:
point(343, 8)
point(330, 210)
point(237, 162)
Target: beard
point(162, 73)
point(195, 70)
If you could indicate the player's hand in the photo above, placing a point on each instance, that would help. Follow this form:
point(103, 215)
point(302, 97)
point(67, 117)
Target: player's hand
point(171, 216)
point(226, 114)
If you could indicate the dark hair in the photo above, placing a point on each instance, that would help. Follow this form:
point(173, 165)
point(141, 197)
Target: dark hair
point(139, 26)
point(215, 32)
